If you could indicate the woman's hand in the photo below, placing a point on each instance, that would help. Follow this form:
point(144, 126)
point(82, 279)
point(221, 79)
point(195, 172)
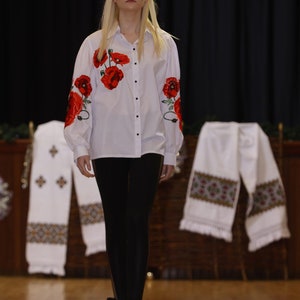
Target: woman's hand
point(167, 172)
point(84, 165)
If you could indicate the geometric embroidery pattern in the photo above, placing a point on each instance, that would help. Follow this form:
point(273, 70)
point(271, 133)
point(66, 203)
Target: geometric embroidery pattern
point(61, 181)
point(46, 233)
point(91, 213)
point(268, 196)
point(213, 189)
point(53, 151)
point(40, 181)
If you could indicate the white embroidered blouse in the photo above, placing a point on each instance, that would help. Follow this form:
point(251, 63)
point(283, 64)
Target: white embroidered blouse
point(123, 107)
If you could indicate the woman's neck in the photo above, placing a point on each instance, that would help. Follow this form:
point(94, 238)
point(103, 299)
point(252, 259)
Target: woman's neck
point(130, 23)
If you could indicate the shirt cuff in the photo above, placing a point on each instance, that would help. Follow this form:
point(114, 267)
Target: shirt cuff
point(80, 151)
point(170, 159)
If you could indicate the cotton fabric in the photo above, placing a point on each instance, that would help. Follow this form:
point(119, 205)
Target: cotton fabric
point(226, 153)
point(123, 107)
point(52, 174)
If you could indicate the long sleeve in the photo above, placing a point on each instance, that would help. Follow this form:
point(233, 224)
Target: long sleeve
point(78, 122)
point(122, 107)
point(171, 104)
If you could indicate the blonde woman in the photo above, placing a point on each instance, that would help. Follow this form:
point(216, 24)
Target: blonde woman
point(124, 119)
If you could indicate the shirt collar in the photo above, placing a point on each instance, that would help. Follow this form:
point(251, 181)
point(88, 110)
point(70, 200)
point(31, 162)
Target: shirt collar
point(116, 30)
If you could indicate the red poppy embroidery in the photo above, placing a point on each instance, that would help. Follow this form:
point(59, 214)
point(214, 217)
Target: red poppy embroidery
point(119, 58)
point(95, 59)
point(77, 104)
point(171, 90)
point(84, 85)
point(98, 63)
point(171, 87)
point(111, 75)
point(104, 58)
point(74, 107)
point(177, 109)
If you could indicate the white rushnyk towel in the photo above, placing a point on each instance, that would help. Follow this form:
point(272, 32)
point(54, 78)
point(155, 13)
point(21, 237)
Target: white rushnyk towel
point(225, 153)
point(49, 203)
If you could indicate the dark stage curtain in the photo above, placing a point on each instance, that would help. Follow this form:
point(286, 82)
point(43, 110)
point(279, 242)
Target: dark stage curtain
point(240, 59)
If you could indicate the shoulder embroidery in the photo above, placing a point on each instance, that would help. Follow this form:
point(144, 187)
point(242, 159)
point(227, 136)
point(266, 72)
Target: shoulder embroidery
point(110, 71)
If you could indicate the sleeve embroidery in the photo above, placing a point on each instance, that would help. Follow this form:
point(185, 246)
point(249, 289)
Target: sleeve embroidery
point(77, 104)
point(171, 90)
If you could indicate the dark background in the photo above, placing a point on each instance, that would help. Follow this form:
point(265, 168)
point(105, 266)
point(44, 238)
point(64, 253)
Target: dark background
point(240, 59)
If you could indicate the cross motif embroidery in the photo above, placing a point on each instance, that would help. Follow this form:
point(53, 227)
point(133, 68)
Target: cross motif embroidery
point(40, 181)
point(53, 151)
point(61, 182)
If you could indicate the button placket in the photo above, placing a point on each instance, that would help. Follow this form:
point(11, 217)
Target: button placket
point(137, 121)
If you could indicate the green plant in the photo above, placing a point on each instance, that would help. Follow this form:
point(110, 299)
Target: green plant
point(10, 133)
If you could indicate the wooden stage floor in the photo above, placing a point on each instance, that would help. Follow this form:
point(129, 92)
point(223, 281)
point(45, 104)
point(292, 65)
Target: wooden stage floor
point(37, 288)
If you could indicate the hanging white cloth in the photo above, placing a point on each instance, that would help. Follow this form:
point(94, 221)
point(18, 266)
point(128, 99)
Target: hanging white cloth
point(51, 177)
point(225, 153)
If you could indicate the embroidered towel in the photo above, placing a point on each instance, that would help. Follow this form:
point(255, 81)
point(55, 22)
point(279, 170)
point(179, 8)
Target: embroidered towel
point(227, 152)
point(49, 203)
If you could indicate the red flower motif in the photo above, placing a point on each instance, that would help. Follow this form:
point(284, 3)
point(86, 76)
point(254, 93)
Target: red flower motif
point(95, 59)
point(119, 58)
point(104, 58)
point(177, 109)
point(171, 87)
point(112, 76)
point(74, 108)
point(98, 63)
point(83, 83)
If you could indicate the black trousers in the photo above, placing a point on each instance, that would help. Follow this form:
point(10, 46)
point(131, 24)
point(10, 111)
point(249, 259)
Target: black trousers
point(127, 187)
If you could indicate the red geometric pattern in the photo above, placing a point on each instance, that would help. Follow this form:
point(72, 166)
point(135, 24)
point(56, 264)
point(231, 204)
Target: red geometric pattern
point(46, 233)
point(91, 213)
point(268, 196)
point(213, 189)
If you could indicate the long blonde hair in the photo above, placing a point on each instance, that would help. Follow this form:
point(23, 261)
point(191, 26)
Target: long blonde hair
point(149, 21)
